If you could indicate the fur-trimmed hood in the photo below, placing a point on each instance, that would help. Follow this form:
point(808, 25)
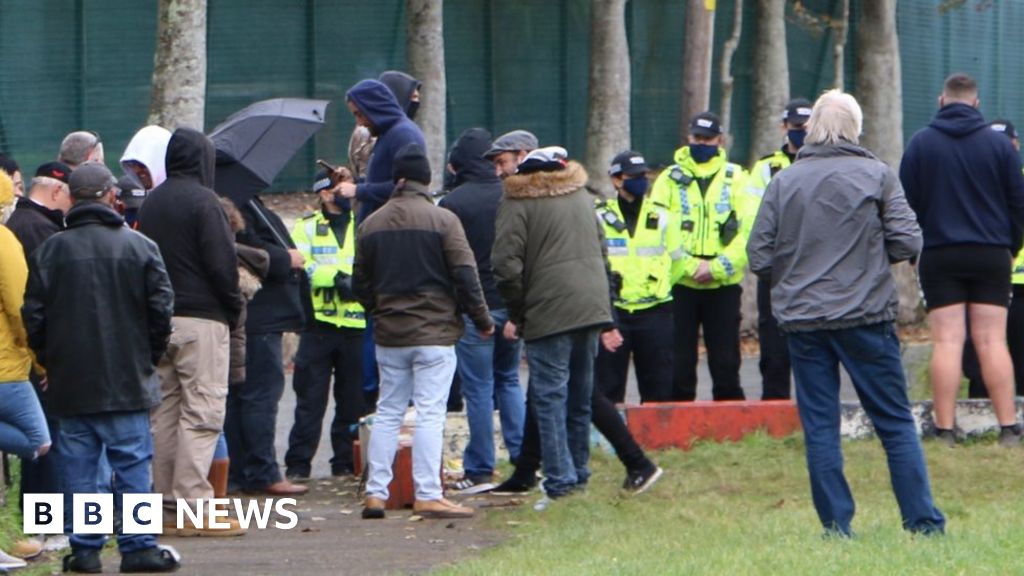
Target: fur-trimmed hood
point(546, 184)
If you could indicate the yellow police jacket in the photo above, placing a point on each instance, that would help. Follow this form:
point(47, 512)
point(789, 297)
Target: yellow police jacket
point(314, 237)
point(715, 223)
point(647, 263)
point(765, 169)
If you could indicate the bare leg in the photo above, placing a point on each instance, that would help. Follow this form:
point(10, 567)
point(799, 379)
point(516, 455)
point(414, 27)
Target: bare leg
point(948, 331)
point(988, 332)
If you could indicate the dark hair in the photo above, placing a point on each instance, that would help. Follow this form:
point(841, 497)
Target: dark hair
point(9, 165)
point(960, 86)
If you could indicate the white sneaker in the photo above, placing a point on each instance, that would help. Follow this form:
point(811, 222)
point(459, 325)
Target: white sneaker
point(543, 504)
point(8, 562)
point(56, 543)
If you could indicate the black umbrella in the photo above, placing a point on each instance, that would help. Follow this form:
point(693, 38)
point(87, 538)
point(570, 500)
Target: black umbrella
point(255, 143)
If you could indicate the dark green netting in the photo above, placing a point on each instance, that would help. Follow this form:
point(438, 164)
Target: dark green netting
point(70, 64)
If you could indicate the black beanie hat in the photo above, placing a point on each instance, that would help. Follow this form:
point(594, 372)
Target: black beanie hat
point(411, 163)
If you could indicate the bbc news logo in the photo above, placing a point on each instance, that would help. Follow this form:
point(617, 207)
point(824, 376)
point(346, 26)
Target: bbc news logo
point(143, 513)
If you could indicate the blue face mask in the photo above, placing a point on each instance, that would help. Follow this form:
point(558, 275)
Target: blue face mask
point(796, 138)
point(701, 153)
point(636, 187)
point(344, 203)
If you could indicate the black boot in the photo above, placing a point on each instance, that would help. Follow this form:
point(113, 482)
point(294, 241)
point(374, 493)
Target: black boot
point(155, 559)
point(83, 561)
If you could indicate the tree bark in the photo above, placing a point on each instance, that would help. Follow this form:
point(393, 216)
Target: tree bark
point(179, 65)
point(698, 47)
point(839, 29)
point(608, 131)
point(424, 45)
point(725, 73)
point(880, 92)
point(771, 76)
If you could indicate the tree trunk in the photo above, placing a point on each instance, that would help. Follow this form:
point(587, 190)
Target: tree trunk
point(771, 76)
point(880, 92)
point(179, 66)
point(839, 30)
point(424, 46)
point(698, 47)
point(608, 112)
point(725, 73)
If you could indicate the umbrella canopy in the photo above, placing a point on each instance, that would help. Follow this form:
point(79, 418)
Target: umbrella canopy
point(255, 143)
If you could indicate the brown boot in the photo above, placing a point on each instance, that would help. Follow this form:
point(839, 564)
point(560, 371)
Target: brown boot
point(218, 477)
point(441, 508)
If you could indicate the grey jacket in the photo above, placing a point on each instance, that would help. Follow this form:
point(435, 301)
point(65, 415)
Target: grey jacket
point(828, 228)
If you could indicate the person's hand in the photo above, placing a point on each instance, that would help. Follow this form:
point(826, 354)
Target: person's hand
point(611, 340)
point(488, 332)
point(703, 273)
point(297, 260)
point(509, 332)
point(347, 190)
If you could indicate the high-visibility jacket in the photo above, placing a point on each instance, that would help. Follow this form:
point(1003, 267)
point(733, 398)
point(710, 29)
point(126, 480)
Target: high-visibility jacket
point(716, 212)
point(765, 169)
point(324, 258)
point(647, 263)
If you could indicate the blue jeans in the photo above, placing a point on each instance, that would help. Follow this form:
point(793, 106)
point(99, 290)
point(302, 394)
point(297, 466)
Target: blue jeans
point(129, 448)
point(871, 355)
point(424, 375)
point(489, 369)
point(23, 429)
point(251, 415)
point(561, 382)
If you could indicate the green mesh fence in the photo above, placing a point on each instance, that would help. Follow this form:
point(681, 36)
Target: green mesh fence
point(70, 64)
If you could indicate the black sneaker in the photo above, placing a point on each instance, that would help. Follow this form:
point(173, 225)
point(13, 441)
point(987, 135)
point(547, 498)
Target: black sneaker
point(514, 486)
point(83, 562)
point(1009, 437)
point(160, 558)
point(945, 437)
point(638, 481)
point(472, 485)
point(297, 476)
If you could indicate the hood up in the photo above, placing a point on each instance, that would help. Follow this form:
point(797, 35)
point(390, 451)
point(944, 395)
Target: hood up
point(149, 148)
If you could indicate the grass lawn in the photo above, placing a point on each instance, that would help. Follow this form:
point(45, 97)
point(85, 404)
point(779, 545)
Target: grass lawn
point(10, 529)
point(739, 509)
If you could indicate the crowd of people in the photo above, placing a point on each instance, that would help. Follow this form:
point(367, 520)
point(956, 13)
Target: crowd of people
point(143, 317)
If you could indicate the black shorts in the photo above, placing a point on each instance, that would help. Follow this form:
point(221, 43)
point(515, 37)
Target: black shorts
point(965, 273)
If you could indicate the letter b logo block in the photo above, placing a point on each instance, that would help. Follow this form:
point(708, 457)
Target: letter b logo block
point(43, 514)
point(93, 514)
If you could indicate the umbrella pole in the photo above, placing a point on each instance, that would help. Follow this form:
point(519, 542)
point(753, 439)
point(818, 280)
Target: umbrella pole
point(262, 217)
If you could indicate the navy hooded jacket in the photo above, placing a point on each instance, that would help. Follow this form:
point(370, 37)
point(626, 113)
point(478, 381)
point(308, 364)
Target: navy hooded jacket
point(475, 201)
point(964, 181)
point(393, 130)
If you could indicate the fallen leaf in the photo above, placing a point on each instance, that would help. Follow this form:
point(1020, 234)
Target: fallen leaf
point(346, 512)
point(415, 518)
point(318, 518)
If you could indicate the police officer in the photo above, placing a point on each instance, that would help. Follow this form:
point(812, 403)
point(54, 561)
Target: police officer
point(644, 249)
point(716, 212)
point(775, 371)
point(1015, 316)
point(333, 346)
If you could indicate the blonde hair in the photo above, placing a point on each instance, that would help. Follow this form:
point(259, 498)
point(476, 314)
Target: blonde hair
point(836, 117)
point(7, 199)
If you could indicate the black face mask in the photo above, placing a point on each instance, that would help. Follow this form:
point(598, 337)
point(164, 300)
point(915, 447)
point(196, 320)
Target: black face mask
point(411, 109)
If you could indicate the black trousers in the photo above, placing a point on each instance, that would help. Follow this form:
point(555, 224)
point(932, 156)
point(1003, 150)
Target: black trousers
point(608, 422)
point(325, 352)
point(647, 336)
point(717, 311)
point(776, 381)
point(1015, 341)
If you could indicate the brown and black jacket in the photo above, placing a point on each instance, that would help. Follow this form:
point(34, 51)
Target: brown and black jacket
point(414, 272)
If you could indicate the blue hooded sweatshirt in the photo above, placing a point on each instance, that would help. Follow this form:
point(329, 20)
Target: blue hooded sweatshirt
point(964, 181)
point(393, 130)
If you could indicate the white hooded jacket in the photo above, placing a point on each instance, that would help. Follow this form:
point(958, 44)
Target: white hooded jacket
point(149, 148)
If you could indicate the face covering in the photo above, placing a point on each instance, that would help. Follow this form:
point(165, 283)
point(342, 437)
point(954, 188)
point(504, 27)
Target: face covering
point(701, 153)
point(796, 138)
point(344, 203)
point(411, 110)
point(637, 187)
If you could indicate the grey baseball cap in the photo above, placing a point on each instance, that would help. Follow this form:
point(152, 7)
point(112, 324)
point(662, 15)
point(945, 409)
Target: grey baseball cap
point(513, 141)
point(91, 180)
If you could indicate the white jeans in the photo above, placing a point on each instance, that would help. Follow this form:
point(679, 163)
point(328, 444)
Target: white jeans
point(424, 374)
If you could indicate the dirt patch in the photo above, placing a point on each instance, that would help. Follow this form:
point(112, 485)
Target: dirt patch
point(332, 539)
